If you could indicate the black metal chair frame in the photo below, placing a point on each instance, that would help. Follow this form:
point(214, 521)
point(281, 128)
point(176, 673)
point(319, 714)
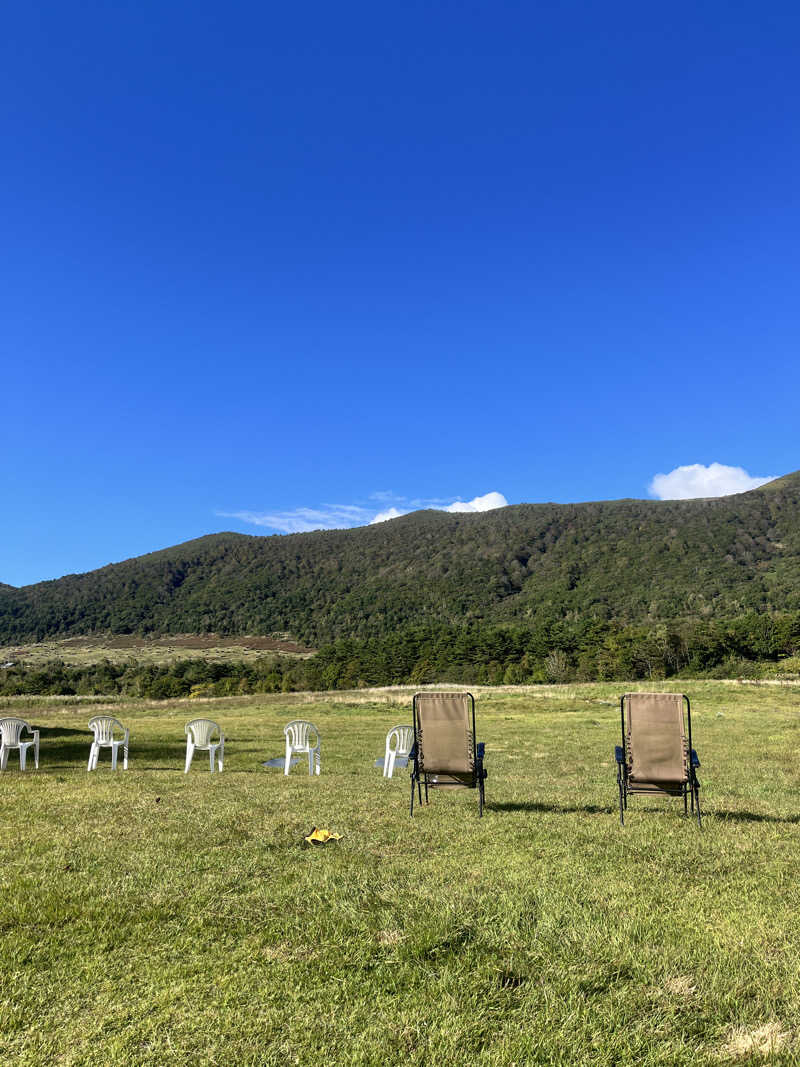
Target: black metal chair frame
point(688, 789)
point(420, 777)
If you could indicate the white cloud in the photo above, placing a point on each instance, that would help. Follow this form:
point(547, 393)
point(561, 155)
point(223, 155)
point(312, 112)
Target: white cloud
point(480, 503)
point(390, 513)
point(695, 480)
point(343, 516)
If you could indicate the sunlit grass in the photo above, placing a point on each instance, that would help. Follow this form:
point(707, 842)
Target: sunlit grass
point(150, 917)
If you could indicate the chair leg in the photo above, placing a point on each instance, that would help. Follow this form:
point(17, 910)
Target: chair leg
point(317, 762)
point(125, 758)
point(91, 758)
point(23, 756)
point(696, 793)
point(189, 754)
point(310, 763)
point(221, 754)
point(212, 751)
point(3, 758)
point(114, 756)
point(388, 764)
point(412, 795)
point(288, 759)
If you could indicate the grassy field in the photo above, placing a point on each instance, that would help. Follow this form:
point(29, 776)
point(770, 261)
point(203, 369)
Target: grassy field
point(156, 918)
point(86, 651)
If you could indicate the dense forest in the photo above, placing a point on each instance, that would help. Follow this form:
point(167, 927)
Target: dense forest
point(533, 592)
point(630, 561)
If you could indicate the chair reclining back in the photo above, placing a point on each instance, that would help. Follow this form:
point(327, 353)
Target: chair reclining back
point(444, 726)
point(202, 731)
point(656, 746)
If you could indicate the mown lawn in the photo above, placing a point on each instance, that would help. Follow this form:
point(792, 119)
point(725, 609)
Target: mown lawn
point(155, 918)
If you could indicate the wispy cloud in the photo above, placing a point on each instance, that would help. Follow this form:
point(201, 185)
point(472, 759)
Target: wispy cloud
point(695, 480)
point(301, 520)
point(343, 516)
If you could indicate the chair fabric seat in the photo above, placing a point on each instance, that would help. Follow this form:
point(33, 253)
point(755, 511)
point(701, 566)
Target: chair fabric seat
point(445, 753)
point(656, 758)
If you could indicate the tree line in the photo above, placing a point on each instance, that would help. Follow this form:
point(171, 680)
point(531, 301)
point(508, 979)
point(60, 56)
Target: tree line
point(564, 651)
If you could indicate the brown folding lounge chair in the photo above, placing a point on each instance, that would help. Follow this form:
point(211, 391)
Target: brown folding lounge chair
point(444, 752)
point(656, 757)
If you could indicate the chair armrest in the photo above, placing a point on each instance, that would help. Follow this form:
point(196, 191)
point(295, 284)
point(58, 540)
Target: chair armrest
point(619, 754)
point(480, 749)
point(695, 759)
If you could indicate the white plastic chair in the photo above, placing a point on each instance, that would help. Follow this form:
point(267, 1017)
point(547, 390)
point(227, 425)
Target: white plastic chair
point(102, 726)
point(403, 738)
point(10, 737)
point(199, 735)
point(298, 736)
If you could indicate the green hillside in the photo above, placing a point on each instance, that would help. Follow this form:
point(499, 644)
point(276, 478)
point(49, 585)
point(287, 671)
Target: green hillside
point(628, 562)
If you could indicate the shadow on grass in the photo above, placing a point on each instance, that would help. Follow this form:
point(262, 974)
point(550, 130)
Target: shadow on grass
point(554, 809)
point(751, 816)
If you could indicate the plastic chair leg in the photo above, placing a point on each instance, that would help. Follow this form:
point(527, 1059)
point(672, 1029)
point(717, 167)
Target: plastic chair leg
point(317, 762)
point(311, 763)
point(388, 767)
point(288, 758)
point(3, 758)
point(91, 758)
point(114, 754)
point(23, 756)
point(189, 754)
point(212, 751)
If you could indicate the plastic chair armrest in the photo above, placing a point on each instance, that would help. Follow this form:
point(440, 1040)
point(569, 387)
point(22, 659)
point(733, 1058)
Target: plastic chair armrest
point(695, 759)
point(619, 754)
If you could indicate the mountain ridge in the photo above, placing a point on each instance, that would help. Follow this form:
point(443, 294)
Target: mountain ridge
point(631, 560)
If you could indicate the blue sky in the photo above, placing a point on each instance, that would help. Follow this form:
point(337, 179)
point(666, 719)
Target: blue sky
point(265, 262)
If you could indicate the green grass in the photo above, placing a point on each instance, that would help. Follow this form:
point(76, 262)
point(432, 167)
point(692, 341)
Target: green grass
point(157, 918)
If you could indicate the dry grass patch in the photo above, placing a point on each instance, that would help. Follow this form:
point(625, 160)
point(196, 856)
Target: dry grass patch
point(766, 1040)
point(681, 985)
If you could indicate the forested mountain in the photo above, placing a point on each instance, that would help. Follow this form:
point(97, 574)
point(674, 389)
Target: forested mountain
point(629, 562)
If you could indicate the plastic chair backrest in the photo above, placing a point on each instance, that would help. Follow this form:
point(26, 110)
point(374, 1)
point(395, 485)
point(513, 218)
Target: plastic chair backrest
point(102, 726)
point(202, 731)
point(403, 737)
point(298, 734)
point(11, 730)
